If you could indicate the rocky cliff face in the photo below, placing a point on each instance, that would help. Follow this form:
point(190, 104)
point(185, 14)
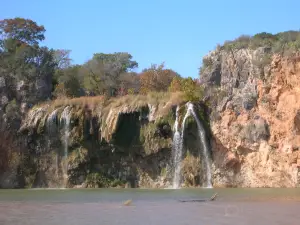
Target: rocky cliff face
point(253, 126)
point(254, 120)
point(94, 142)
point(17, 96)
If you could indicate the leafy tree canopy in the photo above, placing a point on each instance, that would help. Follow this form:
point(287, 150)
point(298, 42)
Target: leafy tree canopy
point(23, 30)
point(20, 55)
point(156, 78)
point(117, 62)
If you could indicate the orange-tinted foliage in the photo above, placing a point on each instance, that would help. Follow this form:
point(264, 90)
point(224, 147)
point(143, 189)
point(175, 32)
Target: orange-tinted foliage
point(24, 30)
point(175, 85)
point(156, 79)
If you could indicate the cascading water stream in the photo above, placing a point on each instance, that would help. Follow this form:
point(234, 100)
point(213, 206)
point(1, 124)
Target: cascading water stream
point(178, 146)
point(65, 120)
point(202, 136)
point(177, 152)
point(51, 127)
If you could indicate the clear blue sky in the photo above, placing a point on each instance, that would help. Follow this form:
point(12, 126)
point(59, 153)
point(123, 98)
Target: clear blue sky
point(175, 31)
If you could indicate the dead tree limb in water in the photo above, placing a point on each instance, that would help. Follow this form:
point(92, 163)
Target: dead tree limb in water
point(214, 197)
point(201, 200)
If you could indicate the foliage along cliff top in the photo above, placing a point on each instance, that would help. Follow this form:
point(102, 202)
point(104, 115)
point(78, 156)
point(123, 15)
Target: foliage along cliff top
point(280, 42)
point(284, 43)
point(24, 61)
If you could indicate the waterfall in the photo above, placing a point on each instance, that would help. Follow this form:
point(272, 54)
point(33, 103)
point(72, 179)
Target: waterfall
point(178, 146)
point(202, 136)
point(65, 120)
point(177, 152)
point(51, 122)
point(51, 127)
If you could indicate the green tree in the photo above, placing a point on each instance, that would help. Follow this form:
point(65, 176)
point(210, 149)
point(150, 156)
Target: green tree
point(69, 84)
point(94, 78)
point(117, 62)
point(129, 83)
point(192, 90)
point(21, 57)
point(107, 73)
point(23, 30)
point(176, 84)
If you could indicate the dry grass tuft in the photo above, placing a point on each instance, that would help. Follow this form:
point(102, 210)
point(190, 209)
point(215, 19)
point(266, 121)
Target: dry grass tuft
point(90, 101)
point(162, 99)
point(101, 106)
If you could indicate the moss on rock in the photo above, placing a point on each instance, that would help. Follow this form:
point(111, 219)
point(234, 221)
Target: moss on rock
point(191, 168)
point(78, 156)
point(98, 180)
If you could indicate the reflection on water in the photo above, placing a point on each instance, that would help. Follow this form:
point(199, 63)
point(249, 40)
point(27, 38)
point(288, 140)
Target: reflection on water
point(104, 206)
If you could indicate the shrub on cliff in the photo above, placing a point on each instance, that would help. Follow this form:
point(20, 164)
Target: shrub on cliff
point(176, 84)
point(156, 78)
point(285, 42)
point(98, 180)
point(69, 84)
point(192, 90)
point(241, 42)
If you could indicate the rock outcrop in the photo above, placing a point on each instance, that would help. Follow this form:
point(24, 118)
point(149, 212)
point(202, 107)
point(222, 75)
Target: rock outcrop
point(16, 98)
point(255, 118)
point(94, 142)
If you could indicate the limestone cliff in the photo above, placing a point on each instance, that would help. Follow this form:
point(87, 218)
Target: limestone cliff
point(17, 95)
point(98, 142)
point(254, 118)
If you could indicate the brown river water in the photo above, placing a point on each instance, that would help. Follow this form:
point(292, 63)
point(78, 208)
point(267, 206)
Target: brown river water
point(149, 206)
